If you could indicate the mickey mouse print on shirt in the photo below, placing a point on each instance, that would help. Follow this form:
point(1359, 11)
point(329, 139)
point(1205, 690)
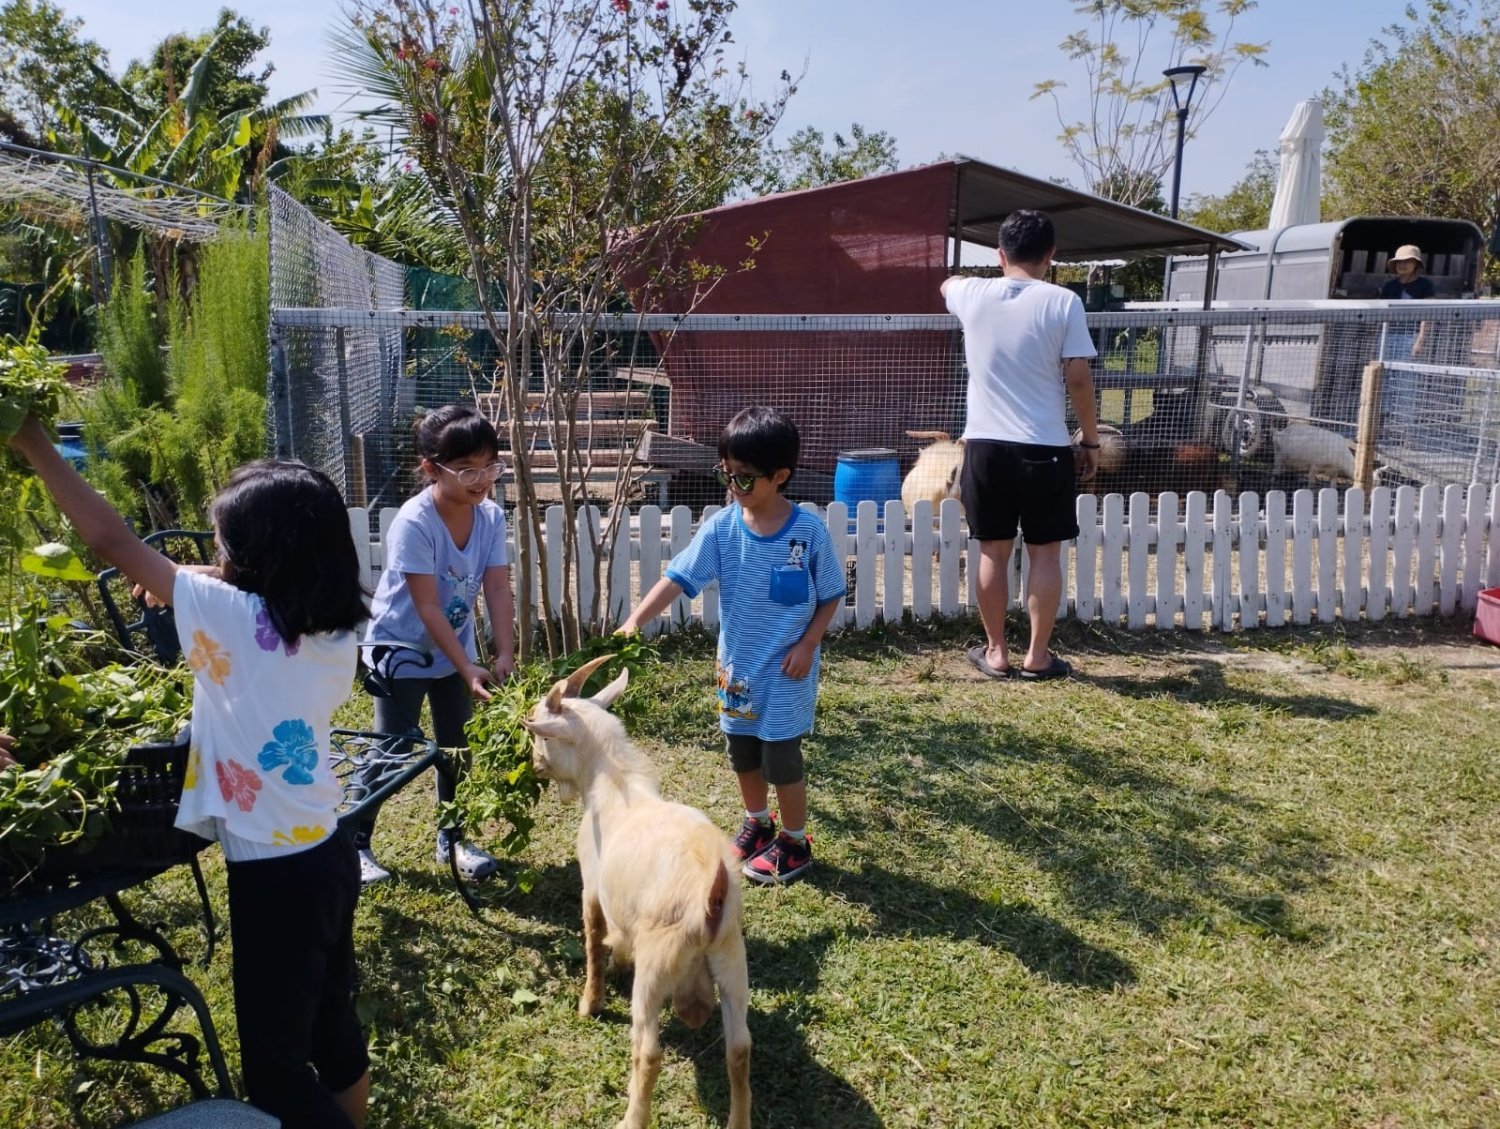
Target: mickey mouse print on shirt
point(789, 585)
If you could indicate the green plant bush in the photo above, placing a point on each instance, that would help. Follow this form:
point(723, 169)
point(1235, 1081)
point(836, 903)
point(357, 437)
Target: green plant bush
point(31, 383)
point(500, 785)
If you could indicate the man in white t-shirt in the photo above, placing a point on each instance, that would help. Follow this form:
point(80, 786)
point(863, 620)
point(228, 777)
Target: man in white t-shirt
point(1026, 341)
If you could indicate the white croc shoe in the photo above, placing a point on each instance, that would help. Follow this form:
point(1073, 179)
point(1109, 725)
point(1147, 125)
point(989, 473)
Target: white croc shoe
point(473, 863)
point(371, 871)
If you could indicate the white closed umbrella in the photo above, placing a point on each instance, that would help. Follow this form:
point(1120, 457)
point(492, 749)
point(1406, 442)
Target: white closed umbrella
point(1299, 183)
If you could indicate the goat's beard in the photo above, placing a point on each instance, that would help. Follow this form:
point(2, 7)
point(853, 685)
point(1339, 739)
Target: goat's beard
point(566, 792)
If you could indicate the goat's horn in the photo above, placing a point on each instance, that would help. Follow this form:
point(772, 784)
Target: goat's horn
point(576, 680)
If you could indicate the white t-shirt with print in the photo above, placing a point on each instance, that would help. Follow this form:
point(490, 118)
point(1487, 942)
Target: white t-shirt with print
point(259, 767)
point(1017, 333)
point(419, 543)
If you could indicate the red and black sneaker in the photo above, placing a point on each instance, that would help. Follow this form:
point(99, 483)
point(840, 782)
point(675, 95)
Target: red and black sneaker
point(785, 860)
point(754, 837)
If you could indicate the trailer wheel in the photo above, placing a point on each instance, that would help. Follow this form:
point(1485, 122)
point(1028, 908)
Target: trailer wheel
point(1248, 433)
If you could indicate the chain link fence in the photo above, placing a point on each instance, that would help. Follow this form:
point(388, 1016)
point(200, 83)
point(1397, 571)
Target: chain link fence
point(1233, 398)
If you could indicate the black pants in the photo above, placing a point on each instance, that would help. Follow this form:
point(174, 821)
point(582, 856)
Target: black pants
point(291, 923)
point(402, 711)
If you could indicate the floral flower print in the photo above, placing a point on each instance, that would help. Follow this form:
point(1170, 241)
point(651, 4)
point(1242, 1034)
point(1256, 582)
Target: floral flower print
point(238, 784)
point(293, 745)
point(209, 658)
point(299, 835)
point(266, 637)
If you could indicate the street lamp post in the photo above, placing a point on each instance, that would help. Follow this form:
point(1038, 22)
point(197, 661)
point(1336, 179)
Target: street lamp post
point(1187, 74)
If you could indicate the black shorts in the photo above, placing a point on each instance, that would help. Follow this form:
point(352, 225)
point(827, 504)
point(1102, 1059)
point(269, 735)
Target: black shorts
point(780, 761)
point(1027, 484)
point(291, 923)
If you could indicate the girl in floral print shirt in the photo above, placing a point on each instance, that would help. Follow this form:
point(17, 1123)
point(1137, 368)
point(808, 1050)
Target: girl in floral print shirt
point(269, 636)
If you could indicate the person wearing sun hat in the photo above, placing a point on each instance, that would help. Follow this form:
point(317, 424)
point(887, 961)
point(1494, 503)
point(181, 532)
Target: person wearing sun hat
point(1404, 341)
point(1409, 281)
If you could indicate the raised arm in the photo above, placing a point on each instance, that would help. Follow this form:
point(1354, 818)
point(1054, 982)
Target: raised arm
point(102, 529)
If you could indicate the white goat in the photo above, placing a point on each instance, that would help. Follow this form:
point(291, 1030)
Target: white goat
point(657, 888)
point(1315, 451)
point(934, 475)
point(1111, 448)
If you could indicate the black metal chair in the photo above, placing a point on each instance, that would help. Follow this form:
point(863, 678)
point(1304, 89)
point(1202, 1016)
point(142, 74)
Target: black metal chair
point(153, 630)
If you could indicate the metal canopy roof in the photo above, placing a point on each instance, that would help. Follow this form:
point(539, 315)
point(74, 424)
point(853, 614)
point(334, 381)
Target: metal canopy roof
point(1088, 226)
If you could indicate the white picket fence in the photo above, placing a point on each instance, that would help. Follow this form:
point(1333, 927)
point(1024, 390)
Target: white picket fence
point(1240, 562)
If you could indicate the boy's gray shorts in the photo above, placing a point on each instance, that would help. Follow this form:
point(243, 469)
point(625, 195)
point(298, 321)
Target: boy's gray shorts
point(781, 761)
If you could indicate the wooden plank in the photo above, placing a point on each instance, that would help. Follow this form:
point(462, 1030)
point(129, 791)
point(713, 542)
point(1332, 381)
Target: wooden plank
point(553, 526)
point(1474, 524)
point(618, 590)
point(1168, 533)
point(1195, 541)
point(922, 549)
point(1328, 545)
point(1377, 590)
point(1249, 529)
point(838, 532)
point(1351, 590)
point(648, 525)
point(1137, 594)
point(1086, 559)
point(866, 542)
point(1429, 518)
point(709, 597)
point(682, 537)
point(651, 377)
point(587, 521)
point(359, 529)
point(1112, 555)
point(1492, 573)
point(1277, 605)
point(951, 543)
point(1304, 525)
point(1450, 548)
point(1221, 613)
point(893, 563)
point(596, 405)
point(1405, 543)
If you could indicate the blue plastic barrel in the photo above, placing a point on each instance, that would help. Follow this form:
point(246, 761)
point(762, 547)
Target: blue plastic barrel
point(70, 444)
point(869, 475)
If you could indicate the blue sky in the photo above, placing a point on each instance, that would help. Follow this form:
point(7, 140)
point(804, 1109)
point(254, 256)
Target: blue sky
point(945, 76)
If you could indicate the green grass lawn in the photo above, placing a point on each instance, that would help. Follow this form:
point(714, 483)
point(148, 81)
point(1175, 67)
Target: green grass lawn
point(1239, 881)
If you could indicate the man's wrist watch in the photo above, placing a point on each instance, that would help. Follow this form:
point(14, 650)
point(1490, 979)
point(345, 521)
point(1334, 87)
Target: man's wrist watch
point(1088, 446)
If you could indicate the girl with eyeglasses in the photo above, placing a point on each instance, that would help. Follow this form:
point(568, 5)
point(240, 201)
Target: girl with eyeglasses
point(779, 585)
point(445, 548)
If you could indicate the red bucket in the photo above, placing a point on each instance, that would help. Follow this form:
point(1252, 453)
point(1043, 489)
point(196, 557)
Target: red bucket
point(1487, 616)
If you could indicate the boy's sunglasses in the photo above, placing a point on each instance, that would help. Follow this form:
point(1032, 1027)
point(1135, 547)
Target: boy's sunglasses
point(744, 483)
point(474, 475)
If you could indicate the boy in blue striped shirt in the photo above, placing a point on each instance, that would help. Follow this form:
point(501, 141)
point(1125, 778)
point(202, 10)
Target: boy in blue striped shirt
point(779, 584)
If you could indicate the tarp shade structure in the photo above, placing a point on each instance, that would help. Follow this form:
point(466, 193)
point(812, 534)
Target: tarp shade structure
point(872, 246)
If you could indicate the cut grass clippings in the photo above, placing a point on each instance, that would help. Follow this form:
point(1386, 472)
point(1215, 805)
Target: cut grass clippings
point(1242, 880)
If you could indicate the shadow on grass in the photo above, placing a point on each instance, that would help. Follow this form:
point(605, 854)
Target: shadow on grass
point(1204, 681)
point(1125, 843)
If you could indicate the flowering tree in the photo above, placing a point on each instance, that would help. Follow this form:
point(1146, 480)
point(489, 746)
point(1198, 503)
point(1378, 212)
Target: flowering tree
point(562, 137)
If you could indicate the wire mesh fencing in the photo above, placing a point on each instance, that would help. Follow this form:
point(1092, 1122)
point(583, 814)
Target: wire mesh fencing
point(1237, 398)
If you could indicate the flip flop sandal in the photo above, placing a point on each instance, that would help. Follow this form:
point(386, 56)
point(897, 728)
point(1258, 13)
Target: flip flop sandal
point(980, 663)
point(1058, 668)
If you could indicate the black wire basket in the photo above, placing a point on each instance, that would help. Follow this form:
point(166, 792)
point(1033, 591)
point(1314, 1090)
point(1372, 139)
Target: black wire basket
point(140, 833)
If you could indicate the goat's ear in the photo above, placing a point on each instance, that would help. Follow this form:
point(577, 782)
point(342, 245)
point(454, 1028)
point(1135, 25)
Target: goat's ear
point(607, 696)
point(555, 696)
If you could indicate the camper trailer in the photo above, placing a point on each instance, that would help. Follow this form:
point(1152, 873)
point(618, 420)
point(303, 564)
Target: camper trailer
point(1341, 259)
point(1282, 366)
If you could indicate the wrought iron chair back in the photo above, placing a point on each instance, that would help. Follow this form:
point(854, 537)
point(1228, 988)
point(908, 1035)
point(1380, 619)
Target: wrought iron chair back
point(152, 630)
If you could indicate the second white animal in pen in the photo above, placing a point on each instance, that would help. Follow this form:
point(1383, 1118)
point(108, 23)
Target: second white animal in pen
point(1317, 452)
